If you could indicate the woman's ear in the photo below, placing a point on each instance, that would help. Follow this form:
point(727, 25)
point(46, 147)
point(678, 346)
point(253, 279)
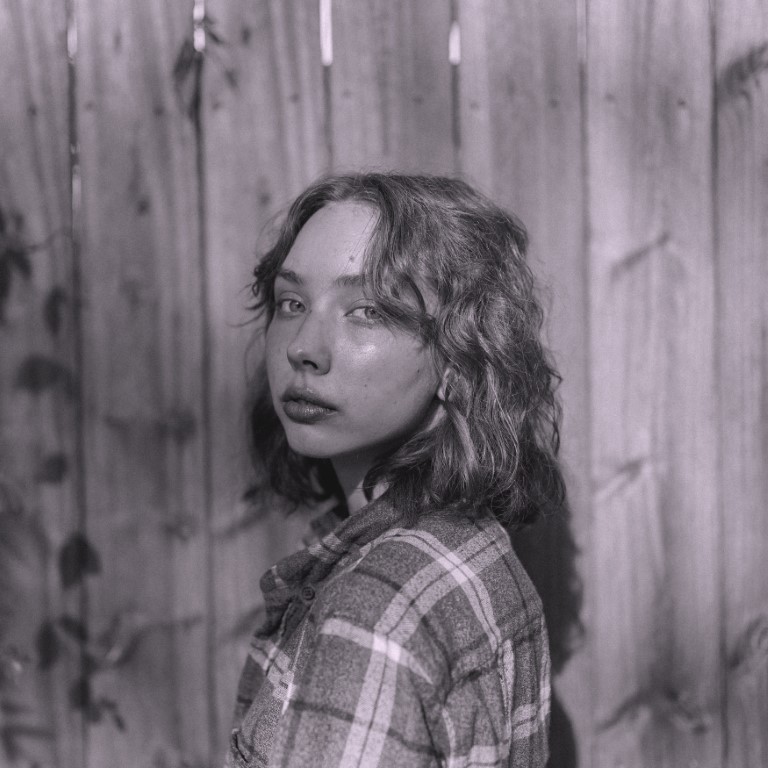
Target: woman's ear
point(444, 388)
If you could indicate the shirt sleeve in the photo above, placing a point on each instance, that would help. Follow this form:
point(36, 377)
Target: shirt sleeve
point(498, 713)
point(354, 703)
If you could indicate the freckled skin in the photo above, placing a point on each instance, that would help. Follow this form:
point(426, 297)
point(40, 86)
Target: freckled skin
point(325, 336)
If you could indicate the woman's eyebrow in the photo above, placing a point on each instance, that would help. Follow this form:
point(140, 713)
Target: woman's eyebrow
point(349, 281)
point(343, 281)
point(291, 276)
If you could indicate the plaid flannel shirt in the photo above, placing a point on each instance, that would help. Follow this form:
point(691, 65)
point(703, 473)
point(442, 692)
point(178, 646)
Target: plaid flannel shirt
point(393, 646)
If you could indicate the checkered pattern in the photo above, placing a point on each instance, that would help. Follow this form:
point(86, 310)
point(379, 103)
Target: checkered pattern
point(421, 646)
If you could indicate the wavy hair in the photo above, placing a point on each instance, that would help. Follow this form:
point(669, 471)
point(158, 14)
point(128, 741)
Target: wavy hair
point(497, 445)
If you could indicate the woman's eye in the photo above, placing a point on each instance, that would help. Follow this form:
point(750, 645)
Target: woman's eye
point(289, 306)
point(368, 313)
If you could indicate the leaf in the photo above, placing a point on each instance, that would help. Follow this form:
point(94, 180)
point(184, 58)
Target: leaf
point(110, 706)
point(91, 664)
point(13, 708)
point(38, 373)
point(80, 696)
point(187, 70)
point(18, 257)
point(119, 721)
point(77, 559)
point(73, 627)
point(52, 309)
point(94, 713)
point(214, 37)
point(185, 59)
point(5, 276)
point(52, 469)
point(5, 286)
point(30, 731)
point(48, 647)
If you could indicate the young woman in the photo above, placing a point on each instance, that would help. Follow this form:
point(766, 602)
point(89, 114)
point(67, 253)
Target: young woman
point(407, 380)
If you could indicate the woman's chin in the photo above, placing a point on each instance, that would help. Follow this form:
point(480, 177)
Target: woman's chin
point(309, 446)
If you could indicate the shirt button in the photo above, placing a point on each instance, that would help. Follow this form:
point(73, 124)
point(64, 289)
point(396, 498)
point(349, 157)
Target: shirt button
point(307, 593)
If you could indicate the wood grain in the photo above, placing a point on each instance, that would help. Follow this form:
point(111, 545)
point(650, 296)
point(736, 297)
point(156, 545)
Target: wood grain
point(742, 280)
point(38, 508)
point(265, 140)
point(658, 324)
point(655, 538)
point(390, 86)
point(520, 118)
point(142, 327)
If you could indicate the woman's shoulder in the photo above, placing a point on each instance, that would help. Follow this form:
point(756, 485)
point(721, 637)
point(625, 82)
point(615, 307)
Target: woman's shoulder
point(450, 582)
point(460, 549)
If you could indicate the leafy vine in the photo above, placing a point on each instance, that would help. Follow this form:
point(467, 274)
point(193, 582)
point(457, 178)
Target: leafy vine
point(77, 558)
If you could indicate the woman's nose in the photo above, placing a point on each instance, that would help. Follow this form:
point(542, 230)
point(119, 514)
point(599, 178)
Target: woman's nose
point(309, 349)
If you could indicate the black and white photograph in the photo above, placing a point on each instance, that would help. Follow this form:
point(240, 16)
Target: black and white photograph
point(383, 384)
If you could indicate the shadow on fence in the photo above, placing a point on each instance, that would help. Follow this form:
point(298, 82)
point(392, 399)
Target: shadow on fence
point(548, 552)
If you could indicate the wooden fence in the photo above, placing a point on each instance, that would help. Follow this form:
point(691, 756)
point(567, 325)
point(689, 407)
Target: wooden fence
point(142, 150)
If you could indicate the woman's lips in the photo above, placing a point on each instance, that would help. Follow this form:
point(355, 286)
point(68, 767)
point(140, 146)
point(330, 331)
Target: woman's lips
point(306, 412)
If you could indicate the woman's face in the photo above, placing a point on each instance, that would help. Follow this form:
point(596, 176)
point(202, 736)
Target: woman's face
point(344, 385)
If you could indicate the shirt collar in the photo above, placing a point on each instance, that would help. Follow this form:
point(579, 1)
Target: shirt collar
point(283, 581)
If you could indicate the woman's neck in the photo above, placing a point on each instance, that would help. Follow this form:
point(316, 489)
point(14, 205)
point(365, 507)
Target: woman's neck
point(351, 473)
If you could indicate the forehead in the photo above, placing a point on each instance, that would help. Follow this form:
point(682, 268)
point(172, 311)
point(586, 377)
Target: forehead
point(333, 241)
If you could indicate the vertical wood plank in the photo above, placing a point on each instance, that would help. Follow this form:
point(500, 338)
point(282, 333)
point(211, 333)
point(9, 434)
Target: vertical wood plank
point(520, 125)
point(265, 140)
point(742, 279)
point(390, 91)
point(656, 535)
point(38, 427)
point(146, 514)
